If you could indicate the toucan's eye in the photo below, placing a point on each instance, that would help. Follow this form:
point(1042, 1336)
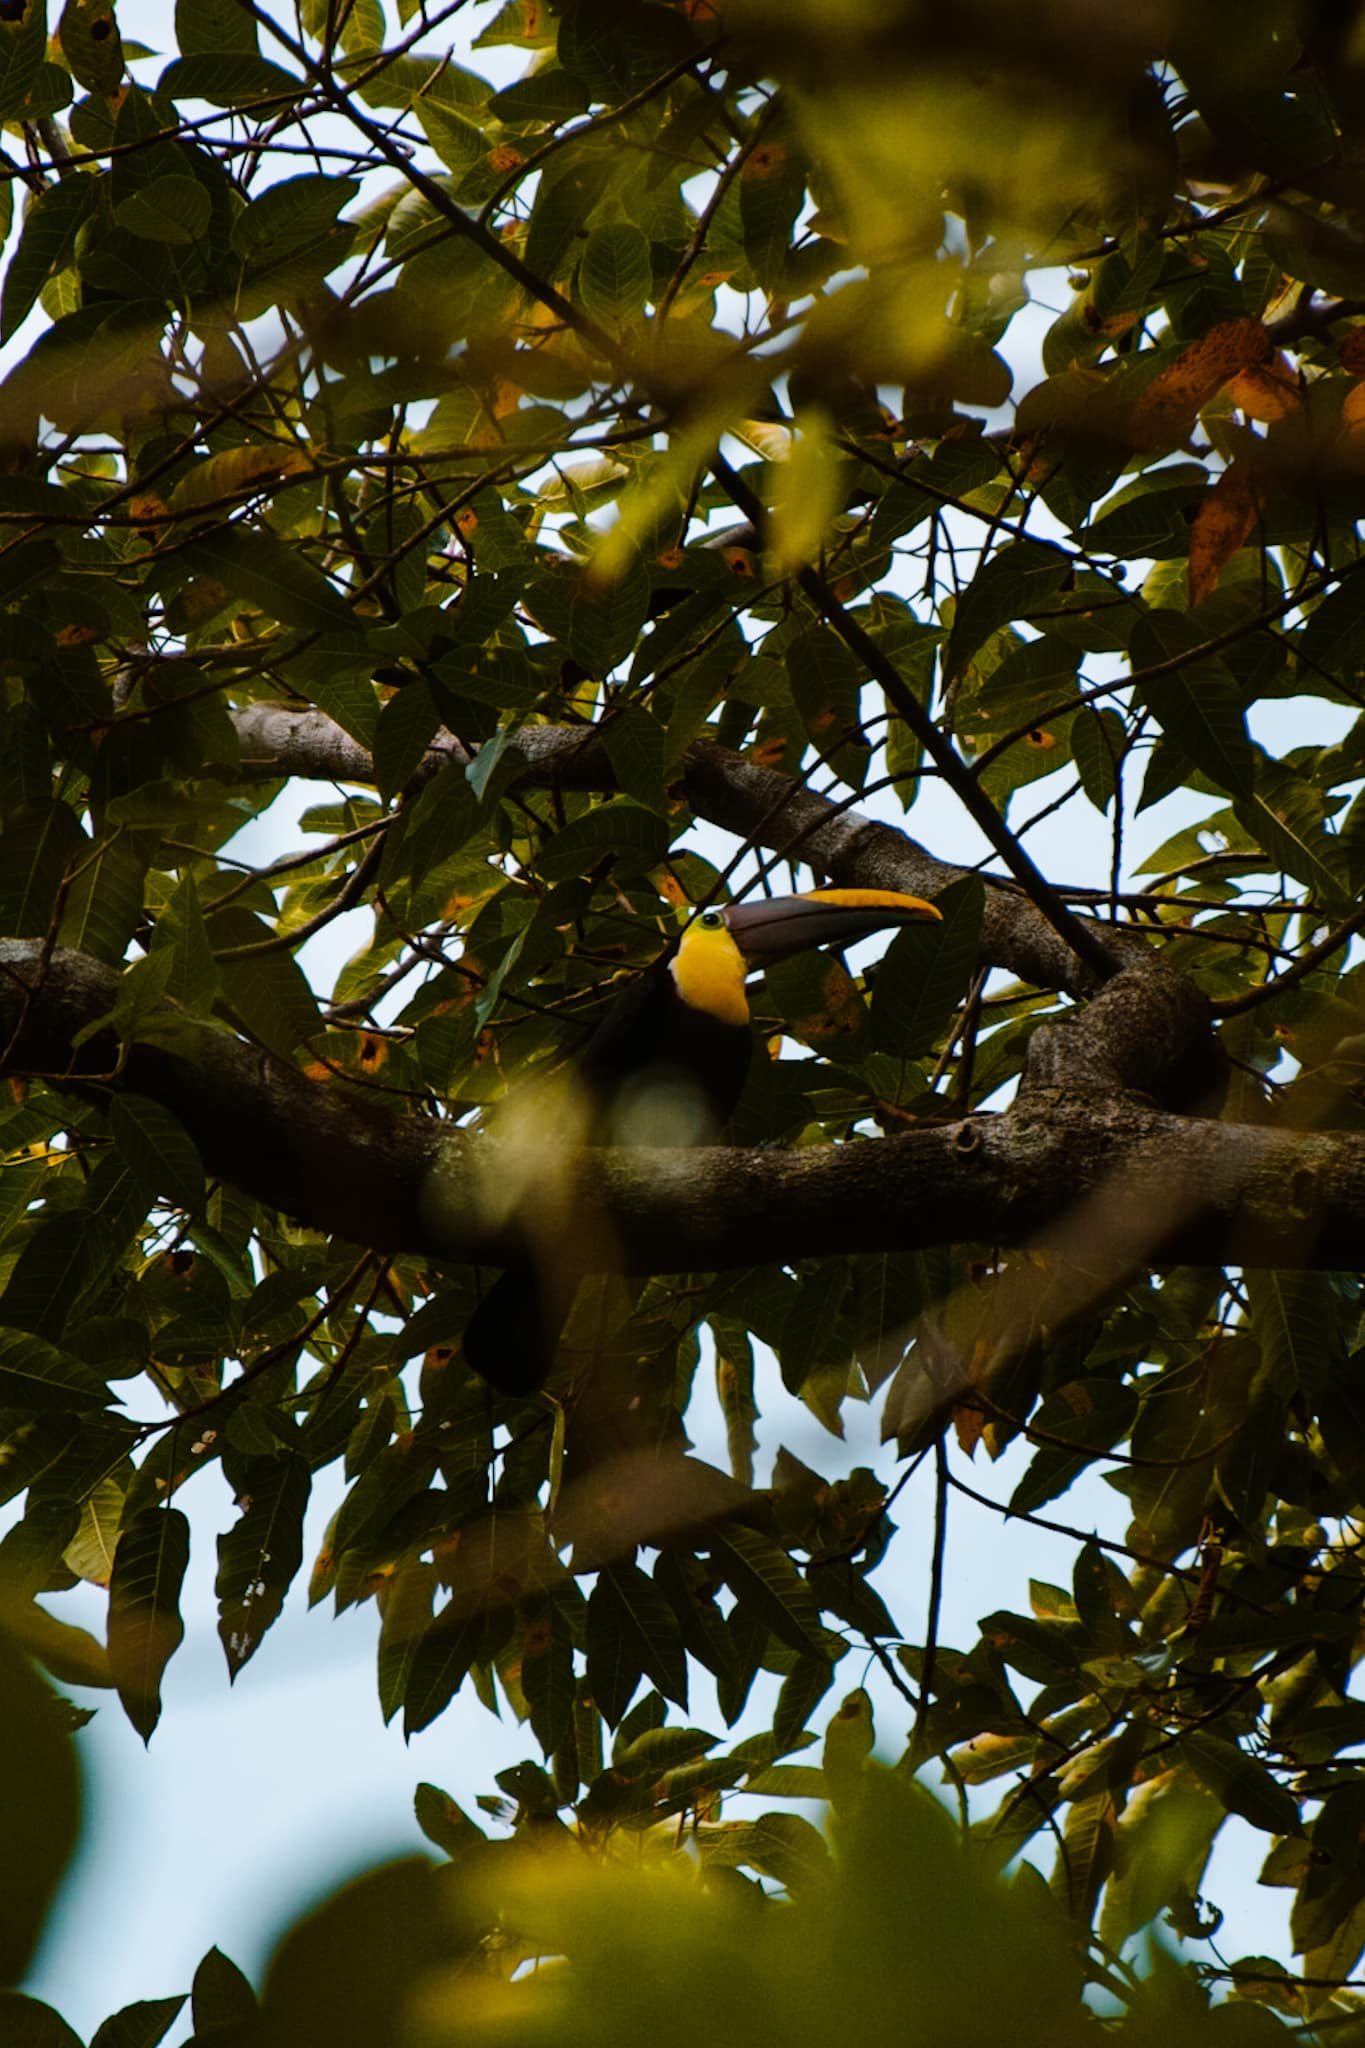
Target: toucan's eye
point(712, 920)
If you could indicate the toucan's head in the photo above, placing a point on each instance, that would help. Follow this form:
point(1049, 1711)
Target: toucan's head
point(722, 945)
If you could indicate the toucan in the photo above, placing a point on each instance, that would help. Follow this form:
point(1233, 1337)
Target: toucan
point(678, 1037)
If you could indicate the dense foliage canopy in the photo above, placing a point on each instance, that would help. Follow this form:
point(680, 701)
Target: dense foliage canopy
point(576, 490)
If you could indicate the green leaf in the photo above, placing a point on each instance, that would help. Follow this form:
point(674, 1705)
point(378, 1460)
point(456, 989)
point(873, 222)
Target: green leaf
point(1098, 740)
point(1198, 705)
point(444, 1823)
point(181, 931)
point(145, 1628)
point(104, 902)
point(28, 2023)
point(208, 27)
point(597, 619)
point(40, 1798)
point(1333, 639)
point(632, 1632)
point(52, 222)
point(926, 972)
point(1019, 578)
point(292, 214)
point(228, 81)
point(849, 1738)
point(50, 1273)
point(772, 190)
point(1161, 1838)
point(405, 1605)
point(634, 741)
point(37, 848)
point(547, 1676)
point(1025, 684)
point(440, 1665)
point(1293, 1319)
point(23, 51)
point(767, 1584)
point(1284, 816)
point(615, 273)
point(826, 688)
point(174, 209)
point(1245, 1786)
point(782, 1845)
point(36, 1377)
point(624, 832)
point(1093, 1414)
point(275, 578)
point(660, 1750)
point(260, 1554)
point(221, 1998)
point(158, 1150)
point(549, 95)
point(268, 992)
point(408, 724)
point(90, 1553)
point(1087, 1853)
point(139, 2026)
point(91, 44)
point(569, 189)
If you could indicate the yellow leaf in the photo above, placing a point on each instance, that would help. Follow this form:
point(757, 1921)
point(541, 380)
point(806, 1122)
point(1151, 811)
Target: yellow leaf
point(235, 471)
point(809, 492)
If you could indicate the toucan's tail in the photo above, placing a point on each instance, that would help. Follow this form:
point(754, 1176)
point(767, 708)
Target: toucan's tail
point(510, 1339)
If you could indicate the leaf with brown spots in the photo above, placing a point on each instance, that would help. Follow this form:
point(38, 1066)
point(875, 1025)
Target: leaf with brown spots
point(1267, 391)
point(819, 1000)
point(1225, 518)
point(1166, 410)
point(1352, 351)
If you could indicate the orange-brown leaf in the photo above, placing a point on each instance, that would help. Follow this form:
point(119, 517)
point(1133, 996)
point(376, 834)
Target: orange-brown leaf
point(1166, 410)
point(1221, 525)
point(1267, 391)
point(1352, 351)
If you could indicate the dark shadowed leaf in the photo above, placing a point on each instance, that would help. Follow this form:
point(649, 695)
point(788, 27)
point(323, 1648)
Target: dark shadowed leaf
point(40, 1797)
point(926, 971)
point(632, 1633)
point(260, 1554)
point(145, 1628)
point(139, 2026)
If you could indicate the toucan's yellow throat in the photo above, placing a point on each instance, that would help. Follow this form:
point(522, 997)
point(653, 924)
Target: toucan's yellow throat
point(708, 970)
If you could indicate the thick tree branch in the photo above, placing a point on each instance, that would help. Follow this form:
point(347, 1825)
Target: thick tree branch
point(1101, 1178)
point(1147, 1034)
point(757, 804)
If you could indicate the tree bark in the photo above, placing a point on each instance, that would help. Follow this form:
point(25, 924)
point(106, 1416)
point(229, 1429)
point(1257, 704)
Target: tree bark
point(1084, 1166)
point(757, 804)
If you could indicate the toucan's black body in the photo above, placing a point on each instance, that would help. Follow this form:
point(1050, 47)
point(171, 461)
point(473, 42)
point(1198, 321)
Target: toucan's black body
point(682, 1027)
point(650, 1033)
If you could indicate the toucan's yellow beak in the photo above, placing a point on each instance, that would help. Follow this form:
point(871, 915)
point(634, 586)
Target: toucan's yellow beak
point(773, 927)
